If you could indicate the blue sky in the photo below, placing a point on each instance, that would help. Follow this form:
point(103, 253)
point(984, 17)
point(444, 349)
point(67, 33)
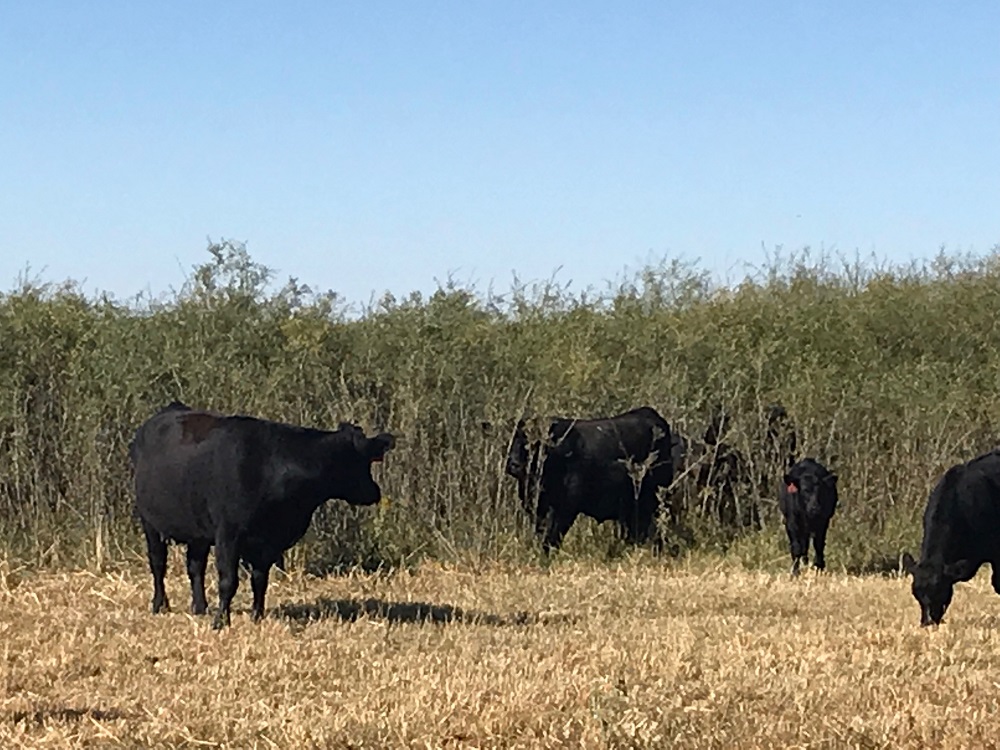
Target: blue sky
point(373, 146)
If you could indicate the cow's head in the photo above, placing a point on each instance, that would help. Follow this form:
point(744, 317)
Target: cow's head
point(808, 489)
point(933, 585)
point(518, 453)
point(522, 464)
point(354, 464)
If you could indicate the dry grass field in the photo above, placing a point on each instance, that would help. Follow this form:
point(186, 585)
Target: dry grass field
point(635, 654)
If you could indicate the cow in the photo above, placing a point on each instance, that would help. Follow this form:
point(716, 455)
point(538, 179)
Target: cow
point(608, 468)
point(247, 486)
point(808, 499)
point(522, 464)
point(722, 476)
point(961, 532)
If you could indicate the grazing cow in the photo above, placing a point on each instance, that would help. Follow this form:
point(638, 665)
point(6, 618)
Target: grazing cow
point(961, 532)
point(808, 499)
point(247, 486)
point(608, 469)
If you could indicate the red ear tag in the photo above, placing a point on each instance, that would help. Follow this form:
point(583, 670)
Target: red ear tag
point(792, 489)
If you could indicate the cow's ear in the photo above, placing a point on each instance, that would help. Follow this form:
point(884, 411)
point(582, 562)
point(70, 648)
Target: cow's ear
point(960, 570)
point(908, 563)
point(791, 483)
point(379, 445)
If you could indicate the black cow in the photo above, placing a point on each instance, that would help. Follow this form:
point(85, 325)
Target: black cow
point(808, 499)
point(522, 464)
point(608, 469)
point(247, 486)
point(722, 477)
point(961, 532)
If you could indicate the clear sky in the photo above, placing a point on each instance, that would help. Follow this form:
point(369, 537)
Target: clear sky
point(371, 146)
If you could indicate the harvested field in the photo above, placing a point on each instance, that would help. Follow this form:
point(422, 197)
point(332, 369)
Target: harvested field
point(636, 654)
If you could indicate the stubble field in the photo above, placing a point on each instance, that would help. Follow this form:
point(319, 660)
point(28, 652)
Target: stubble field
point(633, 654)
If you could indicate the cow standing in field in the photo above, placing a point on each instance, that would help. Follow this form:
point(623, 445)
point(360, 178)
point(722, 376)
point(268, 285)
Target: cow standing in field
point(808, 499)
point(608, 469)
point(722, 478)
point(961, 532)
point(247, 486)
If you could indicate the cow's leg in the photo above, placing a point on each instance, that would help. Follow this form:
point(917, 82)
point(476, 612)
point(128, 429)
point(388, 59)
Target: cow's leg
point(197, 560)
point(670, 505)
point(726, 506)
point(525, 496)
point(559, 524)
point(639, 524)
point(258, 582)
point(227, 561)
point(543, 520)
point(647, 531)
point(819, 545)
point(156, 549)
point(799, 548)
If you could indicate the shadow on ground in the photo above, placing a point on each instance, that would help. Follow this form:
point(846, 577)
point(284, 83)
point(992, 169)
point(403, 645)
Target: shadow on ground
point(64, 714)
point(880, 565)
point(350, 610)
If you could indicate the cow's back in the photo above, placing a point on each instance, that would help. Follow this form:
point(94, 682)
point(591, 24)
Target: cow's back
point(962, 518)
point(632, 435)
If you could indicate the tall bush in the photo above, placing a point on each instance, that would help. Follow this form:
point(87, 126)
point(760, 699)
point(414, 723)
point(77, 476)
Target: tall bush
point(889, 373)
